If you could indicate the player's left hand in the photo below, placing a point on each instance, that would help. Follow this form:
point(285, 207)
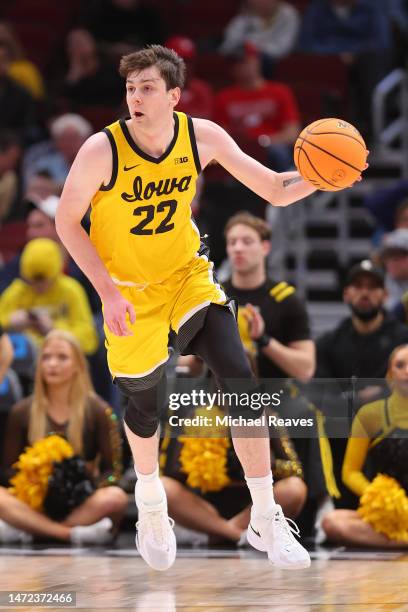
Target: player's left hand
point(255, 320)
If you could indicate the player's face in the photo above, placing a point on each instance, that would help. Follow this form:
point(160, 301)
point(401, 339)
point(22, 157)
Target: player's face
point(245, 249)
point(58, 364)
point(147, 98)
point(398, 371)
point(364, 293)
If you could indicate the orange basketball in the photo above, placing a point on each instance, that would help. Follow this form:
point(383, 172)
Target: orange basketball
point(331, 154)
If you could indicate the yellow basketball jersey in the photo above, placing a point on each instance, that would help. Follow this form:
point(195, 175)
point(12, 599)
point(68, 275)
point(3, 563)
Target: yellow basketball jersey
point(141, 224)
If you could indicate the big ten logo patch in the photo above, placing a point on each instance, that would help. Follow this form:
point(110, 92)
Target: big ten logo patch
point(180, 160)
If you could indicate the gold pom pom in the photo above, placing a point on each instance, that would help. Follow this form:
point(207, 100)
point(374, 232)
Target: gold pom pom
point(34, 467)
point(204, 460)
point(384, 505)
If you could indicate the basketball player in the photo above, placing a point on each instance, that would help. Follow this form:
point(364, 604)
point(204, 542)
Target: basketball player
point(145, 260)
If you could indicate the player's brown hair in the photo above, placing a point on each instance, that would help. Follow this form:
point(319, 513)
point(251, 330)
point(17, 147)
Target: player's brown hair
point(170, 65)
point(256, 223)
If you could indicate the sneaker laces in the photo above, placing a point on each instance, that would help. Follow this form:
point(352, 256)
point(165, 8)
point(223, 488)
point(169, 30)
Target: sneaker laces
point(287, 527)
point(158, 526)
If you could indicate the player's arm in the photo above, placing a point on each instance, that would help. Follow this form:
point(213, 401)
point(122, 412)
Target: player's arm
point(280, 189)
point(91, 168)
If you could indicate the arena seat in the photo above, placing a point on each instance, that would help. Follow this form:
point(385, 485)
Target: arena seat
point(98, 116)
point(214, 68)
point(318, 81)
point(12, 239)
point(198, 19)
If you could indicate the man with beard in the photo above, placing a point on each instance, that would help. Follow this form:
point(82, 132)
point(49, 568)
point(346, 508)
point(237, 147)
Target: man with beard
point(356, 351)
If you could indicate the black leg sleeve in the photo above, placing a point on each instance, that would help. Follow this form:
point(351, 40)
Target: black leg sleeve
point(218, 343)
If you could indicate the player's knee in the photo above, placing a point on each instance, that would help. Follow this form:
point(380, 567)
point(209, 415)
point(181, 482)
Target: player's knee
point(140, 421)
point(142, 413)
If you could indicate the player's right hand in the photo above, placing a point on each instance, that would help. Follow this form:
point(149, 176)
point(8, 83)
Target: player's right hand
point(116, 313)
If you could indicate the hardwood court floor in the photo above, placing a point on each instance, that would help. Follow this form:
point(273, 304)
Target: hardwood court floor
point(218, 581)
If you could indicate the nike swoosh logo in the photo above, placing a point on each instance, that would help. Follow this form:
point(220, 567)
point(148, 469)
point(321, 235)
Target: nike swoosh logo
point(256, 532)
point(126, 169)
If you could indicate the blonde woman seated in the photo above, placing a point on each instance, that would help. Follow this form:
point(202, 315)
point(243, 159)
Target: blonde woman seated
point(379, 432)
point(64, 403)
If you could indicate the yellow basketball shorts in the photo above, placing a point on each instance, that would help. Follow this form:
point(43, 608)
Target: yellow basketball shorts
point(160, 307)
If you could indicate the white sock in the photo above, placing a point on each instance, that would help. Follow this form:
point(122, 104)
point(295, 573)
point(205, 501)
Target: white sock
point(9, 534)
point(261, 490)
point(97, 533)
point(149, 488)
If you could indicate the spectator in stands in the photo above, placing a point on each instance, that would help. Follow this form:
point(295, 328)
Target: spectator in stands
point(262, 112)
point(197, 97)
point(10, 152)
point(270, 25)
point(41, 203)
point(44, 298)
point(17, 107)
point(123, 25)
point(39, 188)
point(276, 319)
point(273, 320)
point(40, 223)
point(401, 216)
point(379, 433)
point(359, 32)
point(90, 80)
point(356, 351)
point(394, 255)
point(64, 403)
point(383, 205)
point(21, 69)
point(68, 133)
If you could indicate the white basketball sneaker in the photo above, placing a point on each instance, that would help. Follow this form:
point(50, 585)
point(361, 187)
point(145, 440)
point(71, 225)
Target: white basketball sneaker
point(273, 534)
point(155, 539)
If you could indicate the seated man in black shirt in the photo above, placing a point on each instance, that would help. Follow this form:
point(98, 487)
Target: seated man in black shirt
point(277, 318)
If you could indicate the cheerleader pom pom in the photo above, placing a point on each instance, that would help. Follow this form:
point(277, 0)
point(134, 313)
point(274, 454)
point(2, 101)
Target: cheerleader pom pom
point(68, 487)
point(384, 505)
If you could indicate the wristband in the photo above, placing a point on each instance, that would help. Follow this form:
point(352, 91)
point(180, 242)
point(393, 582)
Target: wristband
point(262, 341)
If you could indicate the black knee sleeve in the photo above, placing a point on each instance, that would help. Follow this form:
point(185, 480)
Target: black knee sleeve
point(144, 407)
